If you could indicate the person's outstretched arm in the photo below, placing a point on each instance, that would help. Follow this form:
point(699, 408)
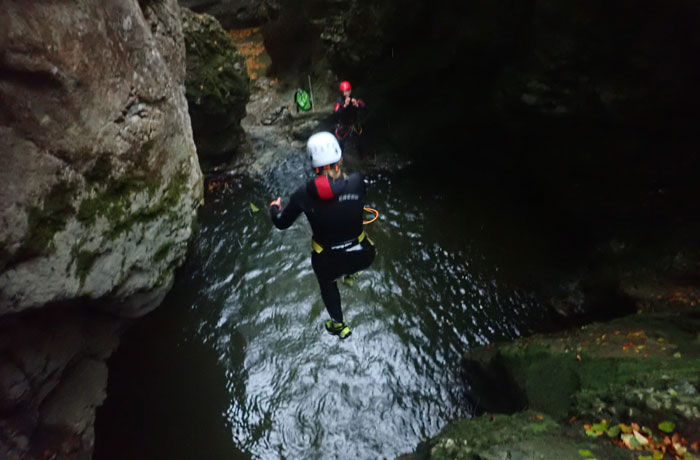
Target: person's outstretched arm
point(283, 218)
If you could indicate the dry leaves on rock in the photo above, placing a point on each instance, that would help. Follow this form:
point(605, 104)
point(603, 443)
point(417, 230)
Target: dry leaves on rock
point(641, 438)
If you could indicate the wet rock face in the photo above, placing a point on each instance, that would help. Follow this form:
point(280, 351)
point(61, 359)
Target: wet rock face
point(217, 87)
point(235, 13)
point(52, 378)
point(501, 59)
point(99, 170)
point(547, 58)
point(100, 183)
point(362, 35)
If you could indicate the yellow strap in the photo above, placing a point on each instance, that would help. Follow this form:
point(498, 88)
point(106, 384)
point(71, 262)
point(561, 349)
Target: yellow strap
point(318, 249)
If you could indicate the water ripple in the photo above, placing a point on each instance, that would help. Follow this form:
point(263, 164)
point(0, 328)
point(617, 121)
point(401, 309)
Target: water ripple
point(297, 392)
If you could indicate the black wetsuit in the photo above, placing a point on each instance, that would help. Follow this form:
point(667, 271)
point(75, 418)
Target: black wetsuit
point(348, 115)
point(348, 122)
point(334, 210)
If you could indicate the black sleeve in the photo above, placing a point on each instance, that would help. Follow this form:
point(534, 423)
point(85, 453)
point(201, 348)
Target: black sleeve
point(338, 114)
point(283, 218)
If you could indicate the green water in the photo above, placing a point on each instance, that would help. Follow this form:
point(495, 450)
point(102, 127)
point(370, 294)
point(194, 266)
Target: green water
point(236, 364)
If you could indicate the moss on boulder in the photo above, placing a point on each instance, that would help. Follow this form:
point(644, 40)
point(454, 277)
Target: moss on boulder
point(99, 165)
point(630, 367)
point(525, 435)
point(216, 86)
point(45, 220)
point(643, 368)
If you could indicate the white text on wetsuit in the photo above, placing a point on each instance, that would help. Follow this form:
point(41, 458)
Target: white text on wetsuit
point(348, 197)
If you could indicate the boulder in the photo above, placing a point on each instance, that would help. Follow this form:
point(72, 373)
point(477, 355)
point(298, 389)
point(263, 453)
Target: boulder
point(217, 87)
point(52, 379)
point(639, 369)
point(100, 173)
point(100, 184)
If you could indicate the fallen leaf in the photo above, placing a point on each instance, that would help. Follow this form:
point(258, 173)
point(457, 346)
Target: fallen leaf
point(627, 439)
point(680, 450)
point(613, 432)
point(601, 427)
point(641, 439)
point(586, 453)
point(253, 207)
point(590, 432)
point(667, 427)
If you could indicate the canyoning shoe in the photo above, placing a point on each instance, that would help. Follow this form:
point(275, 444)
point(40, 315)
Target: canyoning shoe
point(345, 332)
point(342, 330)
point(349, 280)
point(334, 327)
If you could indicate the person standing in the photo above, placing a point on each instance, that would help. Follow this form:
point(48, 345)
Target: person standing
point(333, 203)
point(347, 111)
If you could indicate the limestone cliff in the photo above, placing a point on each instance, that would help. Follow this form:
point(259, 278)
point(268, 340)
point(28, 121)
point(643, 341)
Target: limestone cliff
point(99, 183)
point(100, 178)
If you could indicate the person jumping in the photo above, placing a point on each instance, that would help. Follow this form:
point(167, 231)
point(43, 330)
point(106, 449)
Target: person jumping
point(333, 203)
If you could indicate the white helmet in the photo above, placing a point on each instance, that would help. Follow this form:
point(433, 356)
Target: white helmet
point(324, 149)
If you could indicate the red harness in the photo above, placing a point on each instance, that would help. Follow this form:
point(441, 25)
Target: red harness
point(323, 186)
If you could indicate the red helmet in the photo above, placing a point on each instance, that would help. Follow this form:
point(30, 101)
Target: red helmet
point(345, 86)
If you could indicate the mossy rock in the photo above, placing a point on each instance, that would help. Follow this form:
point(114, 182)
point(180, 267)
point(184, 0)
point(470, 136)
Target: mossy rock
point(643, 364)
point(217, 85)
point(523, 436)
point(44, 221)
point(643, 368)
